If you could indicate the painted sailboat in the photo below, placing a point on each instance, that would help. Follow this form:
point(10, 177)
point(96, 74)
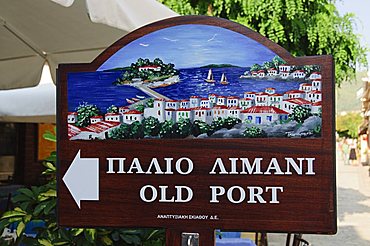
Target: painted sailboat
point(209, 78)
point(224, 80)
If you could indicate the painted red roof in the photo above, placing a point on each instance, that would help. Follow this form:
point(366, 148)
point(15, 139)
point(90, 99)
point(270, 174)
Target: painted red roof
point(264, 109)
point(212, 95)
point(133, 112)
point(315, 92)
point(233, 97)
point(294, 92)
point(201, 108)
point(220, 107)
point(246, 99)
point(306, 84)
point(171, 100)
point(249, 92)
point(270, 88)
point(184, 109)
point(170, 109)
point(97, 117)
point(159, 99)
point(318, 80)
point(272, 69)
point(261, 71)
point(262, 94)
point(299, 101)
point(204, 99)
point(112, 114)
point(221, 97)
point(234, 108)
point(124, 107)
point(319, 103)
point(276, 95)
point(316, 73)
point(195, 97)
point(72, 113)
point(184, 100)
point(73, 130)
point(298, 71)
point(100, 126)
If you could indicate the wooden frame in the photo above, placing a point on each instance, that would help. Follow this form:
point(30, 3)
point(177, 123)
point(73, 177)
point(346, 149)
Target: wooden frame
point(307, 205)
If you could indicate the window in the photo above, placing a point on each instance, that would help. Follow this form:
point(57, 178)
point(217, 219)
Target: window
point(250, 117)
point(269, 118)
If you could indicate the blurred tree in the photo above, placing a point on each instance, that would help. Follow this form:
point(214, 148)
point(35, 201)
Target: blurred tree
point(303, 27)
point(348, 123)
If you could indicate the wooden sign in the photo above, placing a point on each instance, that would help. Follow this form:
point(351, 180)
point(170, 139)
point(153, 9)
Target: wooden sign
point(194, 124)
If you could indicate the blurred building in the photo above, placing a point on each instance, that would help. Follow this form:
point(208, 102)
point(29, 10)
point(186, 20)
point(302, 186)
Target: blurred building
point(364, 143)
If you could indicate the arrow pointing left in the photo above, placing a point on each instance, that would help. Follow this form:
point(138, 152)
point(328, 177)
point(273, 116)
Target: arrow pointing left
point(82, 179)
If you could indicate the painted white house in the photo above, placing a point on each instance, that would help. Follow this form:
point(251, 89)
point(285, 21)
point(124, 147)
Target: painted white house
point(315, 75)
point(172, 104)
point(261, 99)
point(113, 117)
point(284, 75)
point(254, 74)
point(170, 114)
point(284, 68)
point(205, 103)
point(219, 111)
point(270, 90)
point(294, 94)
point(299, 74)
point(245, 103)
point(290, 104)
point(316, 107)
point(157, 111)
point(306, 87)
point(314, 96)
point(261, 74)
point(272, 72)
point(152, 67)
point(184, 103)
point(132, 116)
point(184, 113)
point(232, 101)
point(250, 95)
point(234, 112)
point(263, 114)
point(275, 100)
point(221, 101)
point(213, 98)
point(96, 119)
point(194, 101)
point(72, 117)
point(203, 114)
point(316, 85)
point(123, 109)
point(99, 130)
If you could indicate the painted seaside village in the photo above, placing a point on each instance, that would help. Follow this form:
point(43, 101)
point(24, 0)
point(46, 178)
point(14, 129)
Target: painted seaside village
point(294, 113)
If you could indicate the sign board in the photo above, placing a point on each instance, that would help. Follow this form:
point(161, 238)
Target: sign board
point(195, 124)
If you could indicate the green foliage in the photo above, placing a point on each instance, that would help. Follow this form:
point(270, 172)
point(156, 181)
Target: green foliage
point(182, 128)
point(230, 122)
point(140, 107)
point(112, 109)
point(300, 113)
point(166, 71)
point(121, 132)
point(348, 124)
point(136, 130)
point(200, 127)
point(254, 132)
point(303, 27)
point(38, 204)
point(167, 129)
point(151, 126)
point(150, 103)
point(85, 112)
point(255, 67)
point(217, 124)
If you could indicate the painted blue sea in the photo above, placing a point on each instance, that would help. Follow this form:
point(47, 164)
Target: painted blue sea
point(97, 87)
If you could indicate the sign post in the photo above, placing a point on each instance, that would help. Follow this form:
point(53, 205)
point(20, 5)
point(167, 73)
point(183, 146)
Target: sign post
point(195, 124)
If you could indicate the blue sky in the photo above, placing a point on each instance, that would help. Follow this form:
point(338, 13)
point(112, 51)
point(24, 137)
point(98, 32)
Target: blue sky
point(192, 46)
point(362, 22)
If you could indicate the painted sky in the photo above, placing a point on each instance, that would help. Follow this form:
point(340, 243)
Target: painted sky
point(192, 46)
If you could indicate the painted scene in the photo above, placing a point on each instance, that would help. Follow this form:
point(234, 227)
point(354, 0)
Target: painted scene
point(195, 81)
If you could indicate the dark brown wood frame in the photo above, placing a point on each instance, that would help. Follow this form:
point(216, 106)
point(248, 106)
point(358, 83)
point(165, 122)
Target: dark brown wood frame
point(317, 216)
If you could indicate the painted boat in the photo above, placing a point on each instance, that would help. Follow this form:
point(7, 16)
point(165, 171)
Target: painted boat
point(140, 97)
point(135, 99)
point(129, 101)
point(224, 80)
point(209, 78)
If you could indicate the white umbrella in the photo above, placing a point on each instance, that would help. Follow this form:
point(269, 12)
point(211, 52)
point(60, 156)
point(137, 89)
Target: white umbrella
point(36, 32)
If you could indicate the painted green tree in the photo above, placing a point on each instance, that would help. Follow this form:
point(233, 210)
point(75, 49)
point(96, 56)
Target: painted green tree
point(303, 27)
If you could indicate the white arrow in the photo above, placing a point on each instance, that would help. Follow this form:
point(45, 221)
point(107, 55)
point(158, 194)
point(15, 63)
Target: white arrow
point(82, 179)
